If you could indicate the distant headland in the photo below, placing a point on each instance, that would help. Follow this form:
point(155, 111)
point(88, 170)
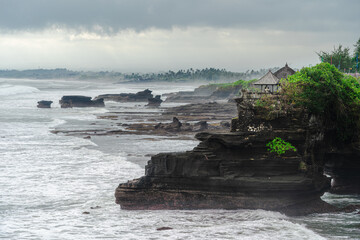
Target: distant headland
point(207, 74)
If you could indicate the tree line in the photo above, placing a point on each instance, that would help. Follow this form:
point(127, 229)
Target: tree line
point(207, 74)
point(342, 58)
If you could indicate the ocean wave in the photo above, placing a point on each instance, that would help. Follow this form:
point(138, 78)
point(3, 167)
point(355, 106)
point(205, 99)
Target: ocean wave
point(6, 89)
point(56, 122)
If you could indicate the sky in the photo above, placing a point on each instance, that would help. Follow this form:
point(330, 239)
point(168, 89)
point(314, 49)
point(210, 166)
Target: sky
point(162, 35)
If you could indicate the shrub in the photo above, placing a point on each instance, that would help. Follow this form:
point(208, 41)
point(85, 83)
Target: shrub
point(325, 91)
point(279, 146)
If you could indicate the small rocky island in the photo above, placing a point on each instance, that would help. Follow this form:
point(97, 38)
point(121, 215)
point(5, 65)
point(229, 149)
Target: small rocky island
point(141, 96)
point(235, 170)
point(44, 104)
point(80, 101)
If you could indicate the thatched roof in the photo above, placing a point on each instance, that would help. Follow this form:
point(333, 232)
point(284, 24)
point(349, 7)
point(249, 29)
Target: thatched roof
point(284, 72)
point(267, 79)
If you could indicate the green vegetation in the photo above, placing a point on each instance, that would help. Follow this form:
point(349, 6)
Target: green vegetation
point(207, 74)
point(323, 90)
point(279, 146)
point(227, 89)
point(357, 48)
point(242, 83)
point(270, 107)
point(341, 58)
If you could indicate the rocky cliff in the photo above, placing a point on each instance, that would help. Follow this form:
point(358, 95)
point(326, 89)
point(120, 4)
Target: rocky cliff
point(234, 170)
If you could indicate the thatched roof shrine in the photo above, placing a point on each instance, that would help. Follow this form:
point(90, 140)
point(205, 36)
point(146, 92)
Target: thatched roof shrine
point(284, 72)
point(270, 81)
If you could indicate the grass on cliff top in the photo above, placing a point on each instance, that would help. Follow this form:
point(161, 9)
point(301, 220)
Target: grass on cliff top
point(224, 86)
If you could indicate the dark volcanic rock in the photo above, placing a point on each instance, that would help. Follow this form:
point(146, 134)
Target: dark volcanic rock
point(209, 108)
point(344, 168)
point(175, 125)
point(200, 126)
point(226, 171)
point(155, 102)
point(164, 228)
point(44, 104)
point(235, 170)
point(80, 101)
point(141, 96)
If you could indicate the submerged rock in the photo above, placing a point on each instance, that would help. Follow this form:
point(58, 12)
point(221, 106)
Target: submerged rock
point(164, 228)
point(44, 104)
point(80, 101)
point(175, 125)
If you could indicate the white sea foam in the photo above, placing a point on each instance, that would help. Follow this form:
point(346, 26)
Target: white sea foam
point(47, 181)
point(6, 89)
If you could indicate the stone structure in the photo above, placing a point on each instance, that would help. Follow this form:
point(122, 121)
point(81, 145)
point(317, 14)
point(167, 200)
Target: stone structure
point(268, 83)
point(80, 101)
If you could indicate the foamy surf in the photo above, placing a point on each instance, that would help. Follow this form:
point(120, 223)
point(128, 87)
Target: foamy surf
point(7, 90)
point(48, 181)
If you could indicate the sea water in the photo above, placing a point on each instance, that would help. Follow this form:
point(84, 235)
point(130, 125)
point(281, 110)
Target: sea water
point(48, 181)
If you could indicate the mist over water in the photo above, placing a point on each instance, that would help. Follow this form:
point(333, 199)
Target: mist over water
point(48, 180)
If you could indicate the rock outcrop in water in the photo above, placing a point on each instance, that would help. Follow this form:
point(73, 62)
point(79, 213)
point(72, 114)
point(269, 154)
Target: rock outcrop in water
point(204, 94)
point(154, 102)
point(44, 104)
point(141, 96)
point(344, 168)
point(80, 101)
point(234, 170)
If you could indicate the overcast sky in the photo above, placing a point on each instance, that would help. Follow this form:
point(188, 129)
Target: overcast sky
point(158, 35)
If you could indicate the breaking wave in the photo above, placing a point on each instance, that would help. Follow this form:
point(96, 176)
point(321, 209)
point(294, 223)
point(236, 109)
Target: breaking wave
point(7, 90)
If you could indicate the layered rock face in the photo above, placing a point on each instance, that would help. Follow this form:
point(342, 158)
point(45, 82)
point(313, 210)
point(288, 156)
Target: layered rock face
point(141, 96)
point(234, 170)
point(80, 101)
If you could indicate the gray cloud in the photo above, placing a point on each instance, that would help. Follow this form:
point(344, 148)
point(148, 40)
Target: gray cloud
point(153, 35)
point(114, 15)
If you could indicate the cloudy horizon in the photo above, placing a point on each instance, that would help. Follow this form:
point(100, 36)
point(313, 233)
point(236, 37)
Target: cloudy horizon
point(160, 35)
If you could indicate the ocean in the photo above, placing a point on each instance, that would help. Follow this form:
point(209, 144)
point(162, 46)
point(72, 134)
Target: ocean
point(48, 180)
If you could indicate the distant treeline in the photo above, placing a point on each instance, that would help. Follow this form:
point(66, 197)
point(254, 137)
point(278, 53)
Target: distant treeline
point(58, 73)
point(207, 74)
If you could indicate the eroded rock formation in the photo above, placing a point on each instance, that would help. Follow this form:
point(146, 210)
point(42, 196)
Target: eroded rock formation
point(234, 170)
point(154, 102)
point(80, 101)
point(141, 96)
